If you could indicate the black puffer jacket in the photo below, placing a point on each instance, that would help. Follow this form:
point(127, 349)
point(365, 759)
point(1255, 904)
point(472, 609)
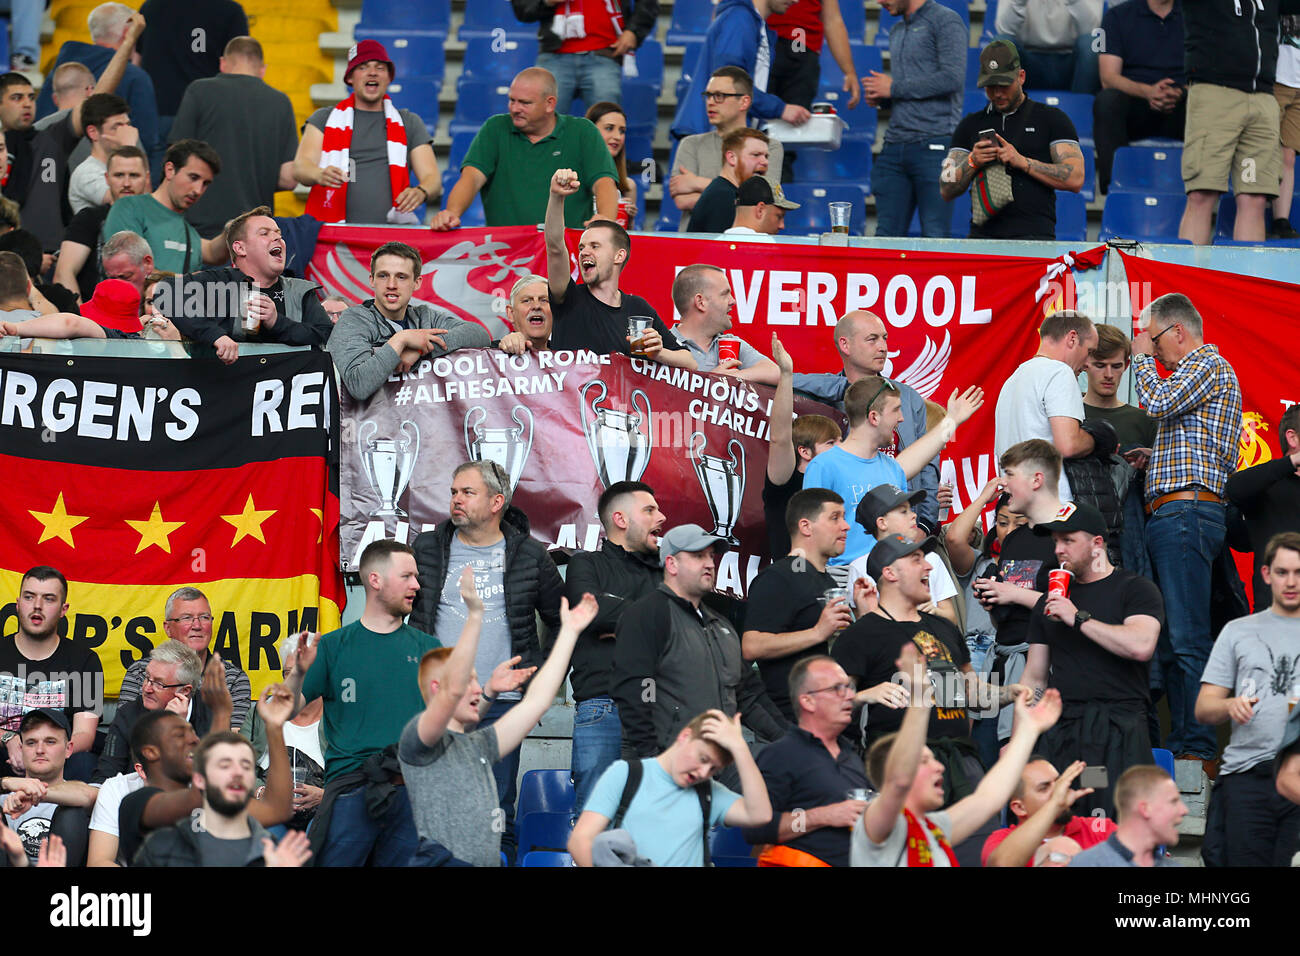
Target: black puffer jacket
point(639, 16)
point(1092, 482)
point(531, 581)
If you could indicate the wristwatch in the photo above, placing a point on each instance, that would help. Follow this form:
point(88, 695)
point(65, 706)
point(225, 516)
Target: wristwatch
point(1081, 617)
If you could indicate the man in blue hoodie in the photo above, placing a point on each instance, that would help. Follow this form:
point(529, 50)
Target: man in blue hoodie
point(738, 36)
point(108, 26)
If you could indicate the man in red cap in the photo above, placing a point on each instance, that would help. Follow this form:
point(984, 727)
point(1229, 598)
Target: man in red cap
point(355, 155)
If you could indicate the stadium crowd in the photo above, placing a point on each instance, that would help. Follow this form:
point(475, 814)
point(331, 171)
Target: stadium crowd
point(899, 675)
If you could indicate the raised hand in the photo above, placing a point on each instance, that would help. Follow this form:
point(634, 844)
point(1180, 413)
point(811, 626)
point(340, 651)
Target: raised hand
point(578, 618)
point(717, 729)
point(468, 593)
point(506, 677)
point(305, 655)
point(293, 850)
point(214, 692)
point(52, 852)
point(781, 357)
point(275, 706)
point(1062, 796)
point(1042, 715)
point(962, 407)
point(11, 845)
point(565, 183)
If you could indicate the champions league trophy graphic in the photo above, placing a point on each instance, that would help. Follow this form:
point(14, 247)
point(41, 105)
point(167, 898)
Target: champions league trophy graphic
point(506, 446)
point(388, 463)
point(619, 448)
point(723, 481)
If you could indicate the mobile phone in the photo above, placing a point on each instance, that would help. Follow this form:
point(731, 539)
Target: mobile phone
point(1094, 778)
point(987, 134)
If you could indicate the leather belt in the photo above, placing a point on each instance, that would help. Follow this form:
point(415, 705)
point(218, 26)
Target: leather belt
point(1192, 494)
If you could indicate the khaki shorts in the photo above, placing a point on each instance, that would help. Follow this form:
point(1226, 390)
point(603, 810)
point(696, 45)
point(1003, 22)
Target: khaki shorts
point(1231, 135)
point(1288, 101)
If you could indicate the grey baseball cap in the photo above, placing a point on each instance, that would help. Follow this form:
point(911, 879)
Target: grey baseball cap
point(688, 537)
point(881, 500)
point(890, 548)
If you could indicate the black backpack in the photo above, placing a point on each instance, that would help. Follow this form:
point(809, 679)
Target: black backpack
point(702, 790)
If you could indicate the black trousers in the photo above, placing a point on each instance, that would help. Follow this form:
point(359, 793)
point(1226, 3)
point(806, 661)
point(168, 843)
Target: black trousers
point(1249, 822)
point(1118, 119)
point(794, 78)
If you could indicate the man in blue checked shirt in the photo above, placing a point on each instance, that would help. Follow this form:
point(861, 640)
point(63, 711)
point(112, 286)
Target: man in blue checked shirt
point(1198, 412)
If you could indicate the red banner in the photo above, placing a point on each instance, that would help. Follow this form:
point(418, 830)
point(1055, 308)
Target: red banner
point(937, 306)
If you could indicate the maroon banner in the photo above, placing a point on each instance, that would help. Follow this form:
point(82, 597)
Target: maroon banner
point(564, 426)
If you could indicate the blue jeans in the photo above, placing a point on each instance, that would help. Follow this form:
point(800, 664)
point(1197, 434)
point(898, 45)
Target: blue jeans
point(1132, 543)
point(1075, 70)
point(588, 75)
point(1183, 539)
point(906, 178)
point(355, 836)
point(506, 772)
point(597, 735)
point(25, 17)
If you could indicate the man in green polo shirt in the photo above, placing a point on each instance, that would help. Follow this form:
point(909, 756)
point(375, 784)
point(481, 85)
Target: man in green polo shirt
point(527, 145)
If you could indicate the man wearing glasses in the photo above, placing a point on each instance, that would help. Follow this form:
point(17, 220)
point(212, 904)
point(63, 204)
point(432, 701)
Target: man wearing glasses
point(187, 618)
point(727, 99)
point(1198, 413)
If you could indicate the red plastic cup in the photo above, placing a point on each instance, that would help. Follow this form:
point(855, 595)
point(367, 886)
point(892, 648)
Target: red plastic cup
point(1058, 582)
point(626, 211)
point(728, 348)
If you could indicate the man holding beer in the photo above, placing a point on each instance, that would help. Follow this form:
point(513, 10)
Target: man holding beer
point(1091, 636)
point(703, 298)
point(596, 314)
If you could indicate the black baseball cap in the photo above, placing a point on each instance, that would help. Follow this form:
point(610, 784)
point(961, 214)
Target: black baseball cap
point(881, 500)
point(999, 64)
point(1076, 516)
point(53, 715)
point(889, 549)
point(756, 189)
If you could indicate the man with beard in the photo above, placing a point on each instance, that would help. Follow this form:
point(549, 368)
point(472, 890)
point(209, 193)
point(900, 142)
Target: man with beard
point(624, 570)
point(37, 665)
point(188, 169)
point(744, 154)
point(515, 577)
point(78, 268)
point(388, 333)
point(366, 673)
point(529, 312)
point(814, 777)
point(1042, 804)
point(256, 301)
point(222, 831)
point(595, 314)
point(162, 743)
point(685, 654)
point(42, 803)
point(1094, 645)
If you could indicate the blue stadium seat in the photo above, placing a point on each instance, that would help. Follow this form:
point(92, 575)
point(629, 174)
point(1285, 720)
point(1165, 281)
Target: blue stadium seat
point(638, 149)
point(1164, 759)
point(493, 18)
point(690, 21)
point(973, 68)
point(459, 147)
point(1146, 168)
point(865, 59)
point(690, 60)
point(974, 101)
point(670, 216)
point(862, 119)
point(473, 216)
point(1142, 215)
point(419, 94)
point(1089, 189)
point(649, 66)
point(851, 163)
point(487, 59)
point(813, 216)
point(729, 841)
point(435, 16)
point(887, 21)
point(413, 54)
point(855, 24)
point(1077, 106)
point(1071, 217)
point(547, 858)
point(960, 227)
point(545, 831)
point(990, 19)
point(1227, 218)
point(547, 791)
point(476, 100)
point(641, 107)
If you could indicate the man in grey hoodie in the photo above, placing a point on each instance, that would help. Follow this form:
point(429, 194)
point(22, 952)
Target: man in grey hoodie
point(387, 334)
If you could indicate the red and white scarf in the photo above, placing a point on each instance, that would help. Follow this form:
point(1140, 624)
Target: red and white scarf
point(918, 847)
point(330, 205)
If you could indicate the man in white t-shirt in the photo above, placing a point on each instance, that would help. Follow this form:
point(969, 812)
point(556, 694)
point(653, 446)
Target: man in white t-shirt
point(104, 828)
point(887, 510)
point(1042, 398)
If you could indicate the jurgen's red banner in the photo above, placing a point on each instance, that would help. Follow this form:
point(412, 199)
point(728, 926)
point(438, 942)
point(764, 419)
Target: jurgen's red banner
point(982, 310)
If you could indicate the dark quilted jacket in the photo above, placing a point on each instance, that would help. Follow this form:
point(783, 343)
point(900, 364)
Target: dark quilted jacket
point(1091, 481)
point(531, 581)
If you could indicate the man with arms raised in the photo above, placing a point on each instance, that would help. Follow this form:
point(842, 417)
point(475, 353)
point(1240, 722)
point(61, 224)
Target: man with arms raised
point(388, 334)
point(1041, 805)
point(594, 314)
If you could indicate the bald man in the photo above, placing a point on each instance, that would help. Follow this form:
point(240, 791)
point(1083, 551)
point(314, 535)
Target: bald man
point(862, 340)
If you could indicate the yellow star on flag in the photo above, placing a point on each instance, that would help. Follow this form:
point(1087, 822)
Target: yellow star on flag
point(249, 523)
point(155, 530)
point(320, 516)
point(57, 523)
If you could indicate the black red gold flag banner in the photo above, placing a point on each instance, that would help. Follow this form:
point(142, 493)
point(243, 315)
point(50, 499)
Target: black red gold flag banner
point(135, 477)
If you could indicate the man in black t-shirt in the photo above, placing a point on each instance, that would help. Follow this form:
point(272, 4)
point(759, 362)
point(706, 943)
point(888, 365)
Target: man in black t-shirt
point(1093, 645)
point(79, 268)
point(1031, 471)
point(595, 314)
point(788, 616)
point(1034, 144)
point(790, 446)
point(39, 669)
